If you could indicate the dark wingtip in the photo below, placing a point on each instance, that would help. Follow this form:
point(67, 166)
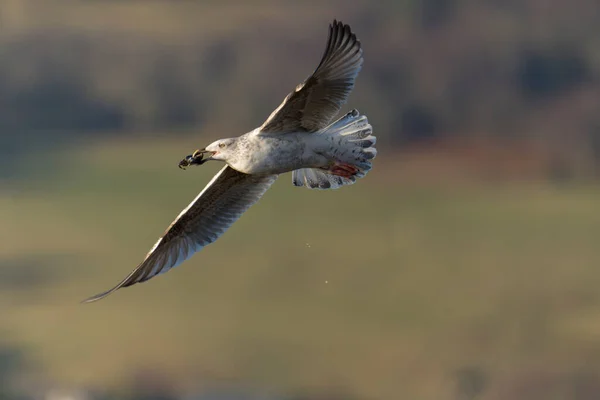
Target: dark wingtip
point(338, 24)
point(102, 295)
point(91, 299)
point(96, 297)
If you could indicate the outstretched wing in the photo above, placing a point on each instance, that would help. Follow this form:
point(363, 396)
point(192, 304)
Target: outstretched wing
point(227, 196)
point(316, 102)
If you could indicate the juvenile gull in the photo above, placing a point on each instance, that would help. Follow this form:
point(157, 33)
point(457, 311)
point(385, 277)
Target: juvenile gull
point(298, 137)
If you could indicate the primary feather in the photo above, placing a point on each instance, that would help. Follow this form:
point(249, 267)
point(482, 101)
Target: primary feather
point(317, 101)
point(226, 197)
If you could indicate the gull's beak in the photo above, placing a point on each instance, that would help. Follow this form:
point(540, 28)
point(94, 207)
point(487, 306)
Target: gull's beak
point(196, 159)
point(200, 153)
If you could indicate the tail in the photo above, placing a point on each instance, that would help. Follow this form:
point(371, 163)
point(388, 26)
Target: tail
point(353, 149)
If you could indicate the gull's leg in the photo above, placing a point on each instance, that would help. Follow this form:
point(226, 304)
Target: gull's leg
point(342, 169)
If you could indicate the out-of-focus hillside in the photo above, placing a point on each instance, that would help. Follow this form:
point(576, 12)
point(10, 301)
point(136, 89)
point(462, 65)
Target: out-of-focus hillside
point(434, 69)
point(450, 272)
point(389, 289)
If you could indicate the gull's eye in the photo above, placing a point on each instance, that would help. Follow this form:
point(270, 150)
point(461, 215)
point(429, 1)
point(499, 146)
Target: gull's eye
point(221, 145)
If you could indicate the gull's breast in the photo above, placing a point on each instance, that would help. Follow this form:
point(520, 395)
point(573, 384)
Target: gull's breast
point(274, 154)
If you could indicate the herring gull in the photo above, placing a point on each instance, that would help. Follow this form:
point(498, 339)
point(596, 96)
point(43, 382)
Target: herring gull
point(298, 137)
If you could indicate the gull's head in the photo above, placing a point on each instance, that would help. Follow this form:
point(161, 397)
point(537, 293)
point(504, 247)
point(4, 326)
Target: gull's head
point(220, 150)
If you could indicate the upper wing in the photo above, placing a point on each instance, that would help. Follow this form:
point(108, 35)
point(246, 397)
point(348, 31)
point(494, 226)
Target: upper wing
point(315, 102)
point(227, 196)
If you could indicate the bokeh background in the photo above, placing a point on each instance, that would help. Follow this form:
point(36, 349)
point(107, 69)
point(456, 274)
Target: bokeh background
point(466, 265)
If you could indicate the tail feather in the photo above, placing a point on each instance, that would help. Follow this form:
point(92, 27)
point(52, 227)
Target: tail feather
point(314, 178)
point(351, 123)
point(353, 149)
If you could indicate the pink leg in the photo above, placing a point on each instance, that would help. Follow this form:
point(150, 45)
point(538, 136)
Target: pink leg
point(343, 169)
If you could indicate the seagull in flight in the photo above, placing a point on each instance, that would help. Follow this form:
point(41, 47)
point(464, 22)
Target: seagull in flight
point(298, 137)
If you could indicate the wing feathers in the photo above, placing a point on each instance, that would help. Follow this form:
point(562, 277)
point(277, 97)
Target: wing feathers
point(228, 195)
point(316, 102)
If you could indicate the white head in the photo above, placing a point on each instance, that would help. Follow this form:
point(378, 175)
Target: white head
point(221, 150)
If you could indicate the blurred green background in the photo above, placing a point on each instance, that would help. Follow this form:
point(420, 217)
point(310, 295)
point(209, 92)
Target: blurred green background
point(464, 266)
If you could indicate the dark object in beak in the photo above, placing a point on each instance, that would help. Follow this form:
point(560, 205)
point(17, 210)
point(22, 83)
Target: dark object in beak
point(195, 159)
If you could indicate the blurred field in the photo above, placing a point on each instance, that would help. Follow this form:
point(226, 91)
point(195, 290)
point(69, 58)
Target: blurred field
point(389, 289)
point(464, 267)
